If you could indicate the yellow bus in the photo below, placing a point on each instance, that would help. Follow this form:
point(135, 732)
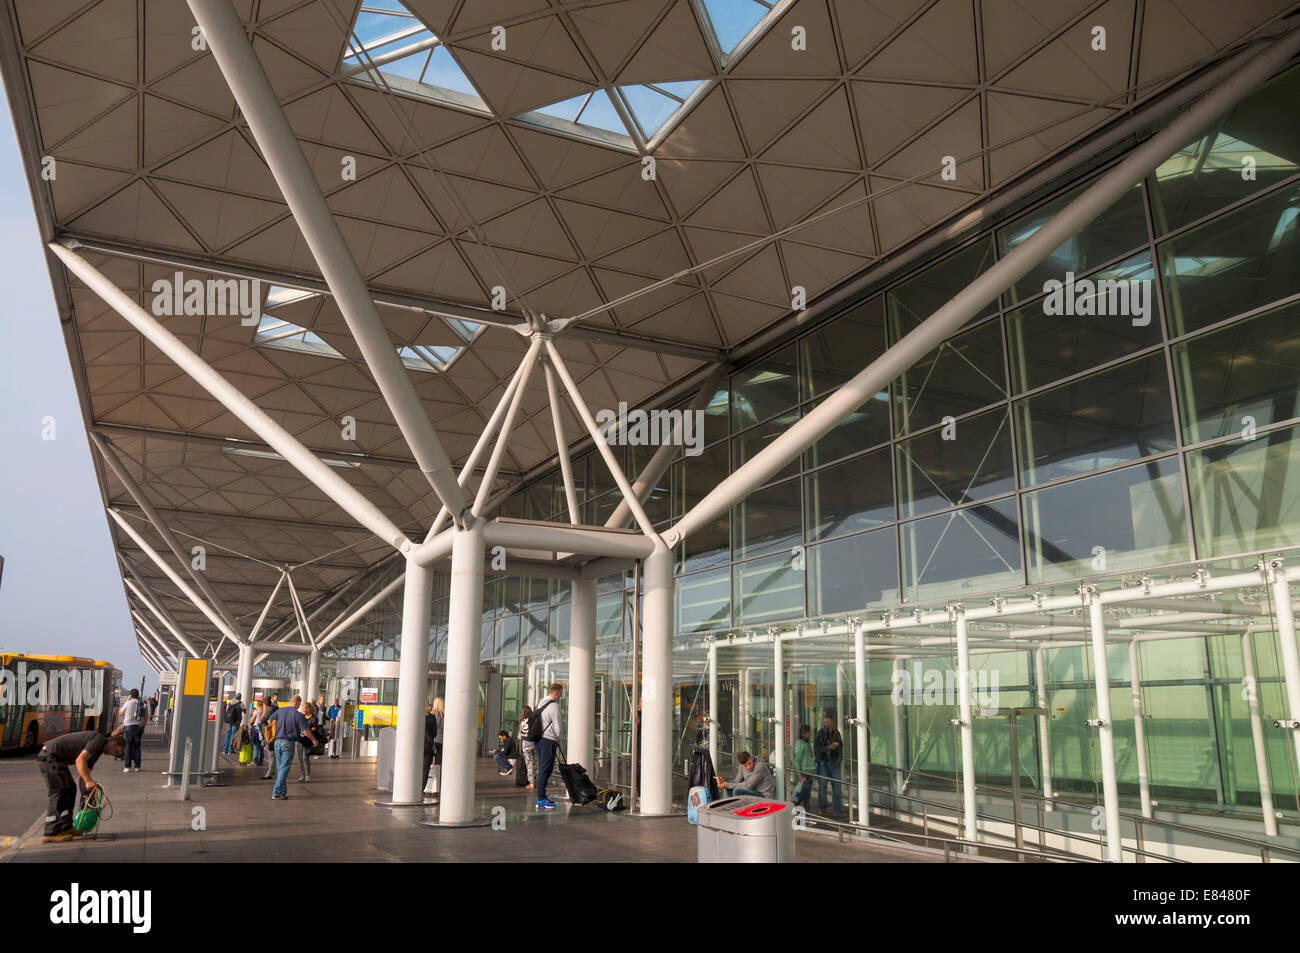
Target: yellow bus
point(44, 696)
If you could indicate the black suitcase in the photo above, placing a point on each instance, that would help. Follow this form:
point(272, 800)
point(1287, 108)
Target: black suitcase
point(576, 782)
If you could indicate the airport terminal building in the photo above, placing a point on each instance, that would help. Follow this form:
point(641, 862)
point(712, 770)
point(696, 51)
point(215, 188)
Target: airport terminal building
point(929, 367)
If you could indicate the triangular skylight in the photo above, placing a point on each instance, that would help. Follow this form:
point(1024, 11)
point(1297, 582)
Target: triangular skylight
point(734, 21)
point(644, 112)
point(429, 357)
point(390, 37)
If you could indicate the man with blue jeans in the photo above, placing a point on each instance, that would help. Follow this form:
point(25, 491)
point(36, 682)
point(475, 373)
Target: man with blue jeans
point(549, 743)
point(829, 748)
point(133, 719)
point(234, 718)
point(290, 727)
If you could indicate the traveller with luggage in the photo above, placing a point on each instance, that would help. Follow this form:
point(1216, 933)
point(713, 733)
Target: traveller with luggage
point(544, 731)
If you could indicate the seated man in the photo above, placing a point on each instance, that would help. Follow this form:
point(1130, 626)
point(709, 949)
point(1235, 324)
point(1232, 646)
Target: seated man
point(503, 752)
point(753, 777)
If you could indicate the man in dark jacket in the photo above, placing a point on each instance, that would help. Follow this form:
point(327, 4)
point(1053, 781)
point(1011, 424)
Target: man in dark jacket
point(503, 752)
point(828, 747)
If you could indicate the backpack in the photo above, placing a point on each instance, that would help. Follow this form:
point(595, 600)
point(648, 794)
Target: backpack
point(535, 722)
point(611, 799)
point(234, 713)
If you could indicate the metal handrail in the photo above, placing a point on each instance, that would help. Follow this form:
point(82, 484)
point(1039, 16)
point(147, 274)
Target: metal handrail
point(1137, 819)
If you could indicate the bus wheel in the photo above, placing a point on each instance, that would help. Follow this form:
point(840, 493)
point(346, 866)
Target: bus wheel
point(30, 741)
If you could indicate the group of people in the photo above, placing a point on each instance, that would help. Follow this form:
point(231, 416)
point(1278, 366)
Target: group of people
point(533, 762)
point(289, 731)
point(817, 759)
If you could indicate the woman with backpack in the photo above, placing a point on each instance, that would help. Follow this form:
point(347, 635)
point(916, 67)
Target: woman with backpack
point(527, 749)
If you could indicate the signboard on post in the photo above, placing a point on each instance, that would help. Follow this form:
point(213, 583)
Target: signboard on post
point(369, 695)
point(193, 718)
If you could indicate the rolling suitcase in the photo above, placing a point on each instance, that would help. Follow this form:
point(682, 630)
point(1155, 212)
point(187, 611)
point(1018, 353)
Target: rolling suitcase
point(576, 782)
point(332, 749)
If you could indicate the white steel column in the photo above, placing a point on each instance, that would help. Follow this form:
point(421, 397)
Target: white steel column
point(1139, 727)
point(562, 446)
point(1290, 655)
point(778, 716)
point(507, 425)
point(967, 726)
point(1044, 726)
point(461, 695)
point(1257, 732)
point(313, 669)
point(900, 712)
point(412, 684)
point(742, 729)
point(864, 739)
point(656, 684)
point(713, 703)
point(1105, 728)
point(243, 71)
point(244, 679)
point(582, 672)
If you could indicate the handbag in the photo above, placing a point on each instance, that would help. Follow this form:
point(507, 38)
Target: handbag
point(431, 786)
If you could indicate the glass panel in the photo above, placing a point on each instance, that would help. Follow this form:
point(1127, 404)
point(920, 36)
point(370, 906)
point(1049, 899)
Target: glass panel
point(693, 478)
point(768, 589)
point(1206, 174)
point(1233, 264)
point(919, 297)
point(964, 373)
point(966, 460)
point(704, 601)
point(764, 389)
point(1181, 752)
point(769, 519)
point(609, 617)
point(1124, 519)
point(865, 427)
point(853, 573)
point(841, 348)
point(1048, 347)
point(1247, 370)
point(1118, 415)
point(1119, 229)
point(1246, 494)
point(972, 549)
point(745, 445)
point(850, 496)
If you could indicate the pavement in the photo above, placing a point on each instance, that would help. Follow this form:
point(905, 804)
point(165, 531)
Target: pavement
point(334, 818)
point(22, 797)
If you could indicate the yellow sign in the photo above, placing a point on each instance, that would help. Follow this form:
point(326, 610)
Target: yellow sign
point(378, 715)
point(196, 677)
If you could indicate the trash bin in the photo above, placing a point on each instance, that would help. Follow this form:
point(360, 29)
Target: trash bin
point(387, 759)
point(745, 829)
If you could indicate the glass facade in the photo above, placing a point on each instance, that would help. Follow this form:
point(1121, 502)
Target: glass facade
point(1032, 448)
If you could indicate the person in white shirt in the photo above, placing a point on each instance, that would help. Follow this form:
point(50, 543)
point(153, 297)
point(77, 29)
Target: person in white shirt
point(134, 714)
point(549, 709)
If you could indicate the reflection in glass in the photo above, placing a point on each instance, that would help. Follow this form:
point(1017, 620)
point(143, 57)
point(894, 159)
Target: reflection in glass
point(967, 460)
point(973, 549)
point(1124, 519)
point(919, 297)
point(842, 347)
point(1206, 174)
point(770, 518)
point(1119, 229)
point(764, 389)
point(1116, 415)
point(853, 573)
point(854, 495)
point(1244, 374)
point(1233, 264)
point(768, 589)
point(1048, 347)
point(704, 601)
point(1246, 494)
point(963, 374)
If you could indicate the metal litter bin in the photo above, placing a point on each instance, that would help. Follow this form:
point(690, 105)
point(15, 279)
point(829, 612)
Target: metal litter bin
point(387, 759)
point(748, 830)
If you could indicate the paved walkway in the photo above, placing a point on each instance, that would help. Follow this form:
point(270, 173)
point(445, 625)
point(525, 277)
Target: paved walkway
point(334, 818)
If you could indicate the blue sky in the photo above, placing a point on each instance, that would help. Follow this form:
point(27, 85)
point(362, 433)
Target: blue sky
point(61, 592)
